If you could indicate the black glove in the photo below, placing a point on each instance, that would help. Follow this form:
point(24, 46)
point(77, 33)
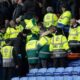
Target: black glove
point(49, 35)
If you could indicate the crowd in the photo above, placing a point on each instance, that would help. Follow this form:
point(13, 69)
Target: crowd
point(31, 38)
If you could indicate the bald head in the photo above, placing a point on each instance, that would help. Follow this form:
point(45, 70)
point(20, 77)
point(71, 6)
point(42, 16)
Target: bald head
point(73, 20)
point(12, 23)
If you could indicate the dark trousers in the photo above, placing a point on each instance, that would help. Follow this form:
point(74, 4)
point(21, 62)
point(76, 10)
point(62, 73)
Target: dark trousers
point(23, 67)
point(0, 72)
point(32, 66)
point(44, 63)
point(8, 73)
point(59, 62)
point(66, 31)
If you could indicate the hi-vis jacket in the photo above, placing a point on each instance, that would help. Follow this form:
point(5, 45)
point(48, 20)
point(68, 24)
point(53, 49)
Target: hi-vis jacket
point(50, 19)
point(65, 18)
point(59, 42)
point(32, 25)
point(13, 32)
point(7, 55)
point(74, 34)
point(31, 50)
point(43, 47)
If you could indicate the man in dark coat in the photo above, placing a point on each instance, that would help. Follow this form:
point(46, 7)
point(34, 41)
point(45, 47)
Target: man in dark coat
point(18, 10)
point(4, 12)
point(21, 59)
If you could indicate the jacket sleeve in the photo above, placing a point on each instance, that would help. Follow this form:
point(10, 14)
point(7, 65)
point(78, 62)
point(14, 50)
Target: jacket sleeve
point(41, 43)
point(65, 43)
point(51, 46)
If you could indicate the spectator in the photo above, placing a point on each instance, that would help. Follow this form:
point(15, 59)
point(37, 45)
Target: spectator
point(21, 58)
point(0, 57)
point(29, 9)
point(73, 6)
point(55, 4)
point(18, 10)
point(12, 32)
point(38, 9)
point(2, 37)
point(6, 23)
point(4, 12)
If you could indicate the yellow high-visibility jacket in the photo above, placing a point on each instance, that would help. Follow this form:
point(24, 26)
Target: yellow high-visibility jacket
point(6, 52)
point(59, 42)
point(50, 19)
point(32, 25)
point(65, 18)
point(13, 32)
point(74, 34)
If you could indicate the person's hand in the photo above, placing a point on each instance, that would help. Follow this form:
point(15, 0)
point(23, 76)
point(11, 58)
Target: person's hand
point(45, 33)
point(18, 19)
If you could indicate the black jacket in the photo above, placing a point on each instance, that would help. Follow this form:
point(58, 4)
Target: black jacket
point(20, 53)
point(4, 12)
point(17, 11)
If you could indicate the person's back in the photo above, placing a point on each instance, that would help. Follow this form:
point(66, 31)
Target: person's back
point(65, 18)
point(8, 61)
point(7, 56)
point(50, 18)
point(59, 48)
point(32, 52)
point(43, 47)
